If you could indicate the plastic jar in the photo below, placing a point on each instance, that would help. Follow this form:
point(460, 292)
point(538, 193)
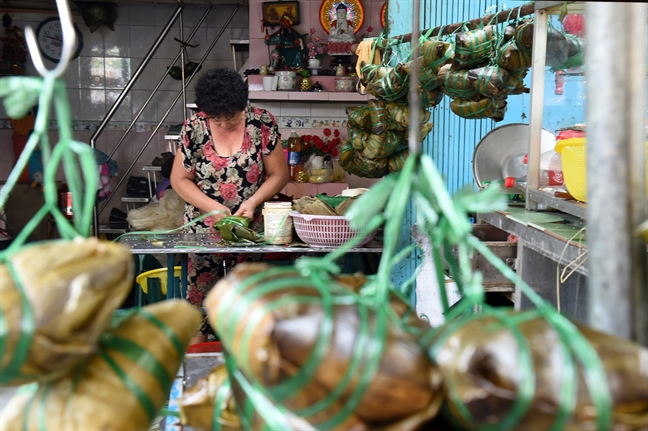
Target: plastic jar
point(277, 222)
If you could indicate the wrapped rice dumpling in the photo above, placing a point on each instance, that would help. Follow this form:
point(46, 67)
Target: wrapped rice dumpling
point(347, 153)
point(358, 138)
point(366, 168)
point(378, 115)
point(473, 48)
point(377, 148)
point(484, 108)
point(481, 365)
point(458, 84)
point(397, 160)
point(388, 83)
point(359, 117)
point(121, 387)
point(198, 402)
point(399, 114)
point(427, 77)
point(286, 331)
point(56, 298)
point(436, 53)
point(492, 81)
point(431, 98)
point(513, 57)
point(515, 85)
point(524, 35)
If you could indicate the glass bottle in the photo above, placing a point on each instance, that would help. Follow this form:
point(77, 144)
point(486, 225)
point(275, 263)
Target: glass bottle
point(294, 155)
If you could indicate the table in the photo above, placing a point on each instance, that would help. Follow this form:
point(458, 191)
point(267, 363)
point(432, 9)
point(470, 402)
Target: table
point(185, 243)
point(545, 247)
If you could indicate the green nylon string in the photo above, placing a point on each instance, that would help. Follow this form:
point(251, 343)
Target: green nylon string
point(142, 357)
point(41, 415)
point(27, 328)
point(168, 332)
point(219, 404)
point(142, 397)
point(76, 158)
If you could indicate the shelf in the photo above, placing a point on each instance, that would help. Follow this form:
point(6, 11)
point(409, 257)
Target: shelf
point(240, 42)
point(552, 240)
point(574, 208)
point(171, 137)
point(311, 96)
point(152, 168)
point(192, 106)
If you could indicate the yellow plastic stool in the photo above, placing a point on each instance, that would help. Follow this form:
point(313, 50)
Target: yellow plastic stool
point(160, 274)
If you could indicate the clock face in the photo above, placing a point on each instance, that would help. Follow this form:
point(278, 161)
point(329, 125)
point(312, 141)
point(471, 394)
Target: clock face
point(50, 39)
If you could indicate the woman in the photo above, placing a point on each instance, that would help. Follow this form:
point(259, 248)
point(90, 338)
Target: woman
point(229, 160)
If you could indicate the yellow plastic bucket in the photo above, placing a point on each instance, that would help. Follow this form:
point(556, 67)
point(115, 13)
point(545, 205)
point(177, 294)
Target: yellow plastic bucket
point(574, 163)
point(160, 274)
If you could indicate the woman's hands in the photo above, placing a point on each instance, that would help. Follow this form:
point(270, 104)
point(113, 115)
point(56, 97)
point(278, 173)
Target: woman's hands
point(223, 212)
point(246, 209)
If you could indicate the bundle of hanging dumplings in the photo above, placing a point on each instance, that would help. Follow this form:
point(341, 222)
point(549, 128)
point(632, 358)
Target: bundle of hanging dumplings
point(312, 347)
point(473, 70)
point(378, 137)
point(56, 298)
point(57, 305)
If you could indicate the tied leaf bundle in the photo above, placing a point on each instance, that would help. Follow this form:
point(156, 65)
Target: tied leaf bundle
point(486, 392)
point(123, 385)
point(317, 350)
point(55, 300)
point(473, 48)
point(378, 132)
point(235, 229)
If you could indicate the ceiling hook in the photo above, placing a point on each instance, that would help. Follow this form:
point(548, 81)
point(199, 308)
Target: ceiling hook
point(69, 42)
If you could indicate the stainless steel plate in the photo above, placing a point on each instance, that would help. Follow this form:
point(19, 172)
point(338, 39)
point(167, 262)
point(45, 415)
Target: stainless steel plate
point(500, 153)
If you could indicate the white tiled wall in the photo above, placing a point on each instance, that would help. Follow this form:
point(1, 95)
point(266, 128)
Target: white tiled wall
point(109, 59)
point(307, 118)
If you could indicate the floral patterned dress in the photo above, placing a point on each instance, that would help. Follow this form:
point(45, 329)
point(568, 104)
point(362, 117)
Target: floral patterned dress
point(229, 181)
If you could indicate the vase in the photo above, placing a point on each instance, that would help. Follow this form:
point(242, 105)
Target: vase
point(314, 62)
point(286, 80)
point(345, 83)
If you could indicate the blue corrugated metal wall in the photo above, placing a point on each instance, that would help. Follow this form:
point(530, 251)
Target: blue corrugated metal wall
point(453, 139)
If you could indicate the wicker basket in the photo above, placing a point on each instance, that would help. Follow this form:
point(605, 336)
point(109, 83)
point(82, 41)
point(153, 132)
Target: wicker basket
point(325, 231)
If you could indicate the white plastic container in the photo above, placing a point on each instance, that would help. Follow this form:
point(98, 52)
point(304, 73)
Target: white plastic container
point(277, 222)
point(551, 171)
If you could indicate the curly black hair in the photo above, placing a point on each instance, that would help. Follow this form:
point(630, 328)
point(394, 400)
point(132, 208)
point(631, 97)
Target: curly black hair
point(221, 93)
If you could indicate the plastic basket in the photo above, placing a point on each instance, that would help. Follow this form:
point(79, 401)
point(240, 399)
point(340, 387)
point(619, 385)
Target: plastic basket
point(325, 231)
point(574, 162)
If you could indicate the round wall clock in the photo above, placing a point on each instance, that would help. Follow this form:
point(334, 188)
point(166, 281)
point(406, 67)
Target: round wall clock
point(50, 39)
point(355, 13)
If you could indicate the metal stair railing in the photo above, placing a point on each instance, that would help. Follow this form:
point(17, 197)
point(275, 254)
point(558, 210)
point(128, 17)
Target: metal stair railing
point(181, 93)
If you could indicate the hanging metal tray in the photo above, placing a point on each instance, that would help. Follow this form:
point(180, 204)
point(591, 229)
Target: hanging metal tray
point(501, 152)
